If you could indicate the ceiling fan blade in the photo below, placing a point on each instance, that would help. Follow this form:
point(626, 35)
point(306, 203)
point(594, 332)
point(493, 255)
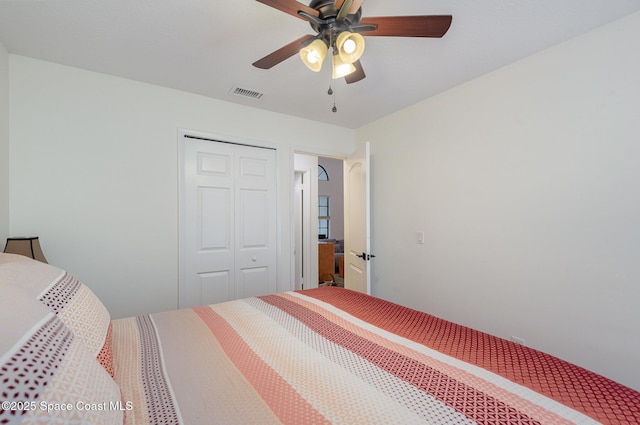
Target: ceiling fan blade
point(282, 53)
point(356, 75)
point(343, 11)
point(409, 26)
point(290, 6)
point(354, 6)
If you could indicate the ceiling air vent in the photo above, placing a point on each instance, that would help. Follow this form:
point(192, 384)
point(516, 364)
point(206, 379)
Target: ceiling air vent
point(252, 94)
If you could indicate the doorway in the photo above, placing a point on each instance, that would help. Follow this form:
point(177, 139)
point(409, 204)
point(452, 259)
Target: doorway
point(319, 221)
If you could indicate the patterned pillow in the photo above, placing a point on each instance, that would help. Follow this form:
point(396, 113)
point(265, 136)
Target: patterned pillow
point(73, 302)
point(46, 373)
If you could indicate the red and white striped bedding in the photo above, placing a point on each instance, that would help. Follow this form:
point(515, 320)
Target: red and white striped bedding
point(330, 355)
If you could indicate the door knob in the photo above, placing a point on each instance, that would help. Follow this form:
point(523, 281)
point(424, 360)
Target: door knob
point(254, 259)
point(365, 256)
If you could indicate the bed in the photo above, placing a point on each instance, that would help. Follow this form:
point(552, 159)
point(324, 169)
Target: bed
point(325, 355)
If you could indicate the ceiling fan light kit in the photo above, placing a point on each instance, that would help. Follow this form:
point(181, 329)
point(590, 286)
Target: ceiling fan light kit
point(350, 46)
point(313, 55)
point(341, 68)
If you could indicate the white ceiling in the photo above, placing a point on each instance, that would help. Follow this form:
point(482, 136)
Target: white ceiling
point(208, 46)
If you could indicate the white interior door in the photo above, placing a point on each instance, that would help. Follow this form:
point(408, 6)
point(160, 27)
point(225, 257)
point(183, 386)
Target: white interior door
point(307, 247)
point(357, 255)
point(298, 251)
point(255, 229)
point(227, 223)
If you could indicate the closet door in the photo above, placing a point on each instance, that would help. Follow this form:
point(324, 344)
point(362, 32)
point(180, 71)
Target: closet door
point(227, 223)
point(255, 221)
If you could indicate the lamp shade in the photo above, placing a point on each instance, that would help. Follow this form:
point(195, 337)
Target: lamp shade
point(313, 55)
point(340, 68)
point(27, 246)
point(350, 46)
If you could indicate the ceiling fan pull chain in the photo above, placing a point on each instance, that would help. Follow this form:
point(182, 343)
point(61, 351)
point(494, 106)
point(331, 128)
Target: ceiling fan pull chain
point(334, 109)
point(332, 92)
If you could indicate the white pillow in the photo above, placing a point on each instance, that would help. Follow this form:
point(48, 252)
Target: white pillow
point(78, 307)
point(46, 373)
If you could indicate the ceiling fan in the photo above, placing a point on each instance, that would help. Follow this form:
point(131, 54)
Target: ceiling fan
point(339, 26)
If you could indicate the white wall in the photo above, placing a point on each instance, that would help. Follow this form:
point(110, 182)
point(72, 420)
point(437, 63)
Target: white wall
point(4, 146)
point(526, 183)
point(334, 189)
point(94, 163)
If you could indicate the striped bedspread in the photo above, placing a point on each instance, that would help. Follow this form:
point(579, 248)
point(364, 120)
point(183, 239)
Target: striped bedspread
point(330, 355)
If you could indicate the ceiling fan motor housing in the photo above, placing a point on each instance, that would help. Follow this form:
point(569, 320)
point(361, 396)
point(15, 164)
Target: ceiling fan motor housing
point(327, 26)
